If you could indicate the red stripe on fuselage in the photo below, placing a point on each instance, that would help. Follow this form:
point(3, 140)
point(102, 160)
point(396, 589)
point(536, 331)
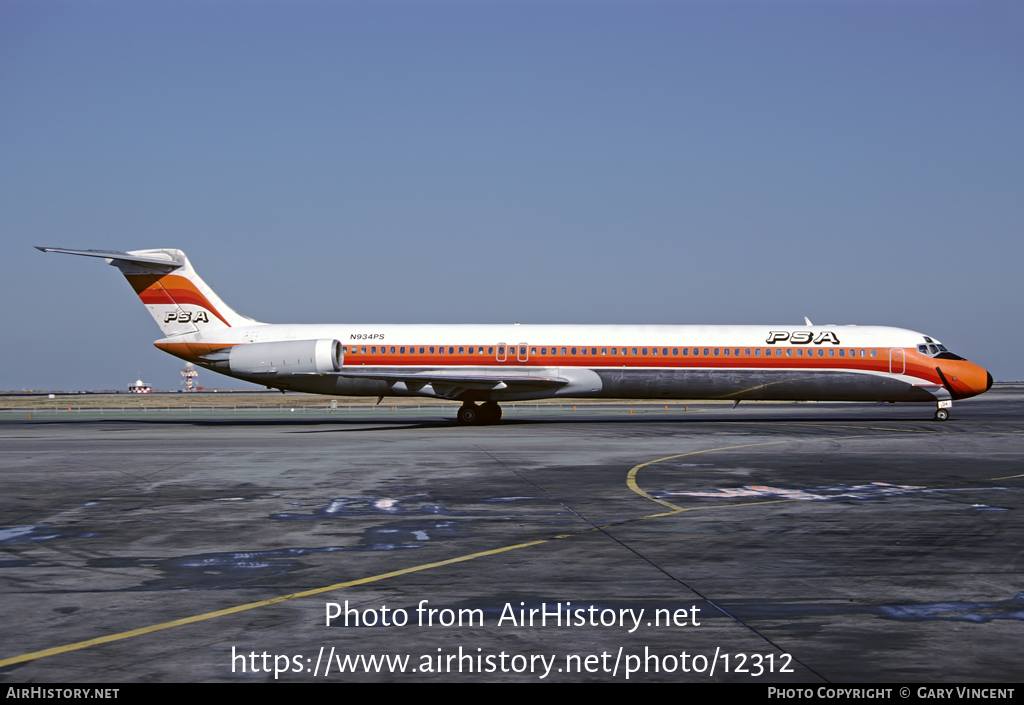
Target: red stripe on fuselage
point(919, 366)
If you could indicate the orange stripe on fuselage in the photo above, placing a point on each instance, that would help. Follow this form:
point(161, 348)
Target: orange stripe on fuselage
point(170, 289)
point(766, 360)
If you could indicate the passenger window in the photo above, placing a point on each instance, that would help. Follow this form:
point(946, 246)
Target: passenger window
point(757, 352)
point(373, 350)
point(821, 353)
point(778, 352)
point(462, 350)
point(747, 352)
point(644, 351)
point(726, 351)
point(543, 351)
point(431, 349)
point(654, 351)
point(593, 351)
point(583, 351)
point(533, 351)
point(501, 351)
point(707, 352)
point(471, 350)
point(831, 352)
point(615, 351)
point(716, 352)
point(604, 351)
point(490, 350)
point(451, 351)
point(675, 351)
point(634, 352)
point(874, 353)
point(563, 351)
point(842, 353)
point(364, 350)
point(789, 352)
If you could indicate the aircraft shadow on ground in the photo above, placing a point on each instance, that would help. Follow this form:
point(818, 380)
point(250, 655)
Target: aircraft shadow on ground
point(394, 424)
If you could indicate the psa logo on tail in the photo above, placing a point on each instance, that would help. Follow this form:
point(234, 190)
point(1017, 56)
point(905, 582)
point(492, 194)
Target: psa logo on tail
point(186, 317)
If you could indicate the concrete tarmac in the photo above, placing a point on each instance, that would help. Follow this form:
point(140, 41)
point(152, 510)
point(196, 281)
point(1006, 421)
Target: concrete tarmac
point(811, 543)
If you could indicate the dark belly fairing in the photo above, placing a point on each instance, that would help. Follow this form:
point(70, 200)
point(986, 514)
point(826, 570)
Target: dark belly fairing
point(758, 385)
point(751, 385)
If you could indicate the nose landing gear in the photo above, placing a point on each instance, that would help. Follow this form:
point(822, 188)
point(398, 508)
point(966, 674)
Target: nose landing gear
point(472, 415)
point(942, 413)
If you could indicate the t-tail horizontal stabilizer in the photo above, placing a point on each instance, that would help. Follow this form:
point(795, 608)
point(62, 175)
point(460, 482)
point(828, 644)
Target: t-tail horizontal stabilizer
point(166, 262)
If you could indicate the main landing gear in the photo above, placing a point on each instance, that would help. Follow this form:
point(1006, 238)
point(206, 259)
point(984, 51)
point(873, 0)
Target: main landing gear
point(472, 415)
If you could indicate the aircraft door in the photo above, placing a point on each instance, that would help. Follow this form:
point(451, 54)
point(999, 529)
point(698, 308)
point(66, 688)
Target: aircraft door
point(523, 354)
point(897, 361)
point(500, 353)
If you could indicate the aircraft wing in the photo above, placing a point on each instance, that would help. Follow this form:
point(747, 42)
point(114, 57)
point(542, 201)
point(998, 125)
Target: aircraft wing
point(450, 385)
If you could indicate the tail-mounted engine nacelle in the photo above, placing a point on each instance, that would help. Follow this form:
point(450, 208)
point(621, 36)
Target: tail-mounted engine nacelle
point(286, 357)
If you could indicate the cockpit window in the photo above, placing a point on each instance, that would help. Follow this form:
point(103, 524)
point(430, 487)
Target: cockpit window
point(937, 350)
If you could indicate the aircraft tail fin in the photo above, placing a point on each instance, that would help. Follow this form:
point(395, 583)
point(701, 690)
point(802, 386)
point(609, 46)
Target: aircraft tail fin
point(177, 298)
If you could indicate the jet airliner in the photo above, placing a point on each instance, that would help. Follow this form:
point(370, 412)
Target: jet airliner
point(483, 365)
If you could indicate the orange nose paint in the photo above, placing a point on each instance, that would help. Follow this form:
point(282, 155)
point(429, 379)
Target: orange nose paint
point(963, 378)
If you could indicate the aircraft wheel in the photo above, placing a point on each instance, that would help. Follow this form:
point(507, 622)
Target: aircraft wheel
point(490, 412)
point(941, 414)
point(469, 414)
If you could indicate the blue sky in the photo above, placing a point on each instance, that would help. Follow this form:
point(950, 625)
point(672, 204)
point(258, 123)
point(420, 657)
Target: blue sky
point(547, 162)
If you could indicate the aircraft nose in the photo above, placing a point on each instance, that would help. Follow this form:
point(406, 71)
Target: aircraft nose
point(965, 379)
